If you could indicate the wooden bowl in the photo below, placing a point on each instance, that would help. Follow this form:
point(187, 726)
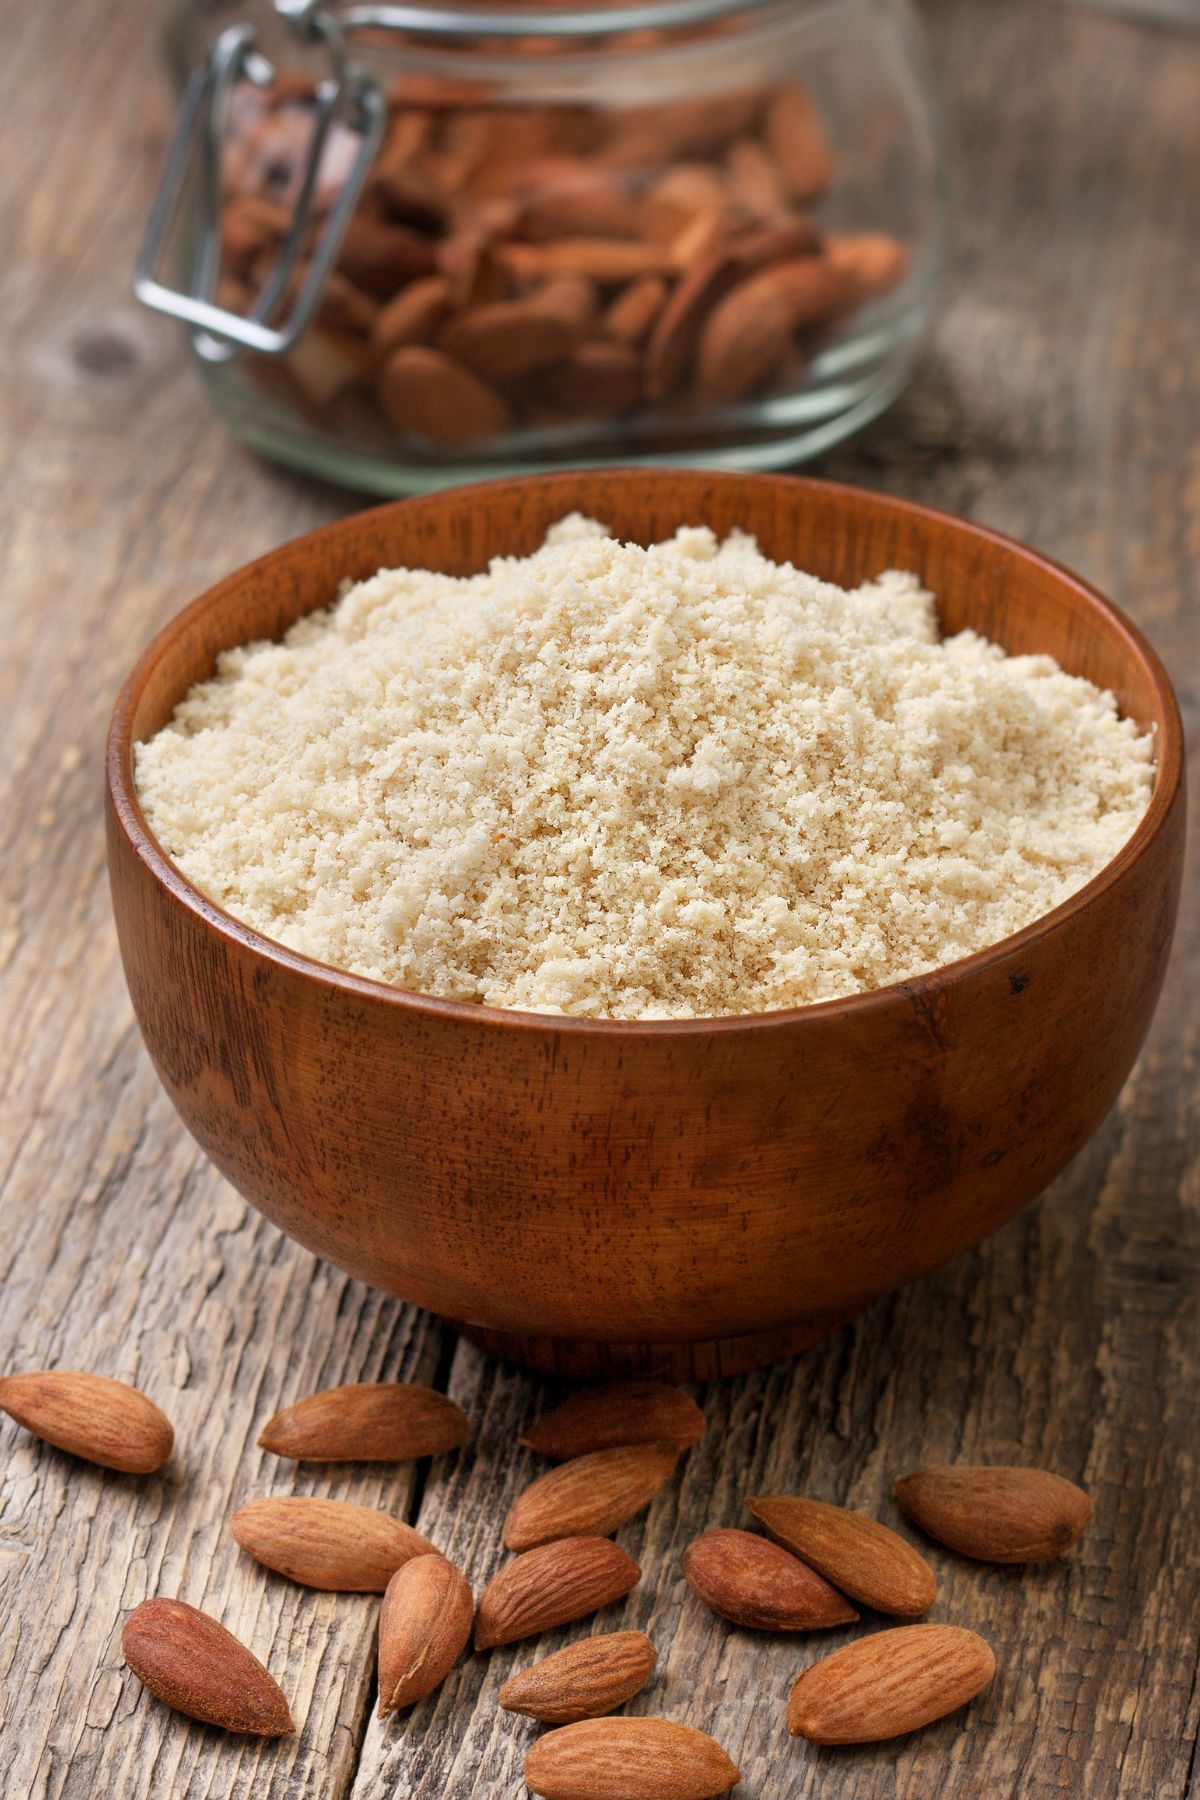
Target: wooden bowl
point(681, 1196)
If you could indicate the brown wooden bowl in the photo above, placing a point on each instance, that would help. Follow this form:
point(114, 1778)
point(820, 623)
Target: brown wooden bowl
point(687, 1196)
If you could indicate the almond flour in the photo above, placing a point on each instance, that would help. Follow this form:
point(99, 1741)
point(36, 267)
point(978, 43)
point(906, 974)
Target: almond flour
point(622, 782)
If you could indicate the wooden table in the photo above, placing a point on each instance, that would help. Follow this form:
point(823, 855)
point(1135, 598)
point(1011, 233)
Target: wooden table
point(1060, 400)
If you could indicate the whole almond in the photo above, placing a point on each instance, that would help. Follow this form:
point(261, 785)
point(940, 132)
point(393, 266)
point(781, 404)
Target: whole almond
point(597, 380)
point(672, 341)
point(858, 1555)
point(610, 261)
point(590, 1495)
point(870, 261)
point(104, 1421)
point(381, 257)
point(996, 1514)
point(890, 1683)
point(619, 1412)
point(411, 317)
point(635, 309)
point(367, 1421)
point(424, 1627)
point(745, 340)
point(329, 1544)
point(427, 393)
point(628, 1759)
point(797, 143)
point(552, 1585)
point(582, 1681)
point(505, 339)
point(191, 1663)
point(755, 1583)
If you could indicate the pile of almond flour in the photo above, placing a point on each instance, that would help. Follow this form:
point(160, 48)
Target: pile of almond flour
point(639, 783)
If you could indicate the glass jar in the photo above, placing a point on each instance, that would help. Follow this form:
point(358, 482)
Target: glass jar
point(695, 232)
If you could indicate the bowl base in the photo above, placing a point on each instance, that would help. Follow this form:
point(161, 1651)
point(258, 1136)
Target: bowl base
point(703, 1361)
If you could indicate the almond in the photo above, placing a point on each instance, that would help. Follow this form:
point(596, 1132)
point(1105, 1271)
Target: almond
point(635, 309)
point(895, 1681)
point(996, 1514)
point(104, 1421)
point(428, 394)
point(381, 257)
point(797, 143)
point(191, 1663)
point(330, 1544)
point(745, 340)
point(576, 198)
point(597, 380)
point(610, 261)
point(755, 1583)
point(570, 297)
point(424, 1626)
point(557, 1582)
point(870, 261)
point(755, 180)
point(628, 1759)
point(505, 339)
point(857, 1554)
point(411, 317)
point(593, 1676)
point(620, 1412)
point(590, 1495)
point(367, 1421)
point(672, 342)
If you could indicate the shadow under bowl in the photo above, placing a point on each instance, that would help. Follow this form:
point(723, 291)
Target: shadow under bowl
point(683, 1197)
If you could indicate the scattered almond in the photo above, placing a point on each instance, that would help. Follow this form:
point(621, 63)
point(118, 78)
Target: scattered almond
point(330, 1544)
point(552, 1585)
point(628, 1759)
point(424, 1627)
point(620, 1412)
point(104, 1421)
point(996, 1514)
point(858, 1555)
point(890, 1683)
point(582, 1681)
point(590, 1495)
point(191, 1663)
point(367, 1421)
point(755, 1583)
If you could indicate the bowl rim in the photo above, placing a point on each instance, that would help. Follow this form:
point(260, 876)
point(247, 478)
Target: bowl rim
point(916, 990)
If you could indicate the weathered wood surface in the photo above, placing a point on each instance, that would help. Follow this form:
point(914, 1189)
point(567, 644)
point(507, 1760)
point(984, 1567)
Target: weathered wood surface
point(1060, 401)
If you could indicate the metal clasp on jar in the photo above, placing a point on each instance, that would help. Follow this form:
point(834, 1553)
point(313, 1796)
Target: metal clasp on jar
point(346, 95)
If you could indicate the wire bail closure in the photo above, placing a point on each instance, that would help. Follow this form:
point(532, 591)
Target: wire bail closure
point(346, 94)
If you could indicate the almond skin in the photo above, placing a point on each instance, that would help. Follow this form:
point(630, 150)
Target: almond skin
point(427, 393)
point(999, 1514)
point(424, 1626)
point(367, 1421)
point(888, 1684)
point(628, 1759)
point(104, 1421)
point(621, 1412)
point(557, 1582)
point(752, 1582)
point(191, 1663)
point(858, 1555)
point(328, 1544)
point(590, 1495)
point(582, 1681)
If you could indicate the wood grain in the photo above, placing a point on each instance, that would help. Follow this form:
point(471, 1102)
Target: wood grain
point(1058, 402)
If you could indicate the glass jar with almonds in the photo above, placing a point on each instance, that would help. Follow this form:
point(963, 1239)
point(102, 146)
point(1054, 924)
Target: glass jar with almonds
point(416, 245)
